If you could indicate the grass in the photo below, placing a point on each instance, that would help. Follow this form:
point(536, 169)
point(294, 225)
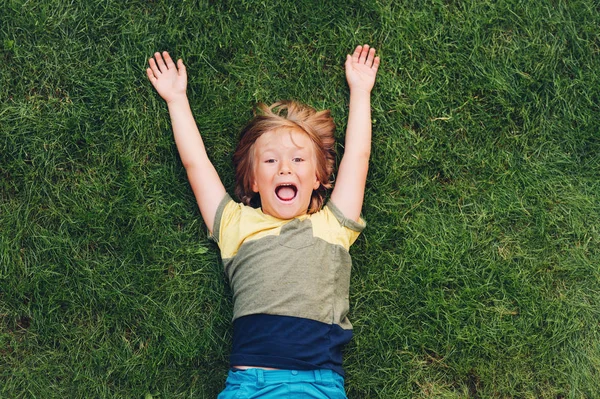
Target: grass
point(477, 276)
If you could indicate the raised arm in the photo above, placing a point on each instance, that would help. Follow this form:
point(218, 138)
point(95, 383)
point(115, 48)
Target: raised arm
point(349, 190)
point(170, 81)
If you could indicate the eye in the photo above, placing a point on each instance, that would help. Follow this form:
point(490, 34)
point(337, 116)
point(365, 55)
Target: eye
point(297, 159)
point(270, 160)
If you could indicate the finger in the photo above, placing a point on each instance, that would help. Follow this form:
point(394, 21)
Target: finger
point(181, 68)
point(154, 67)
point(356, 54)
point(160, 62)
point(151, 75)
point(348, 63)
point(376, 63)
point(168, 60)
point(363, 54)
point(370, 57)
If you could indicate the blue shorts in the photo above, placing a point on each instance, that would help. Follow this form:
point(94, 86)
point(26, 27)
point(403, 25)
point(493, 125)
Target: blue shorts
point(259, 383)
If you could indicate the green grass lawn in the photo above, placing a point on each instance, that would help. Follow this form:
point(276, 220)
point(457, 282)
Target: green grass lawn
point(478, 275)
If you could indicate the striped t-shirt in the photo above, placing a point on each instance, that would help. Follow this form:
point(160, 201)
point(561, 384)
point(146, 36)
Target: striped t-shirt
point(290, 281)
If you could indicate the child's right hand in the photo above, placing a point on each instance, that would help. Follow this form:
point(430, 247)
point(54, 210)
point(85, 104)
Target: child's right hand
point(169, 80)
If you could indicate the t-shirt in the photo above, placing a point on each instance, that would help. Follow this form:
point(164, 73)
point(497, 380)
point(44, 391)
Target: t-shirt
point(290, 281)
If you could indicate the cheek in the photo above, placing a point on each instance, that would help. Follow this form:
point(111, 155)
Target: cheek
point(260, 177)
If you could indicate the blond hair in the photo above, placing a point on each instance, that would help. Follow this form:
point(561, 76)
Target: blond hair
point(319, 127)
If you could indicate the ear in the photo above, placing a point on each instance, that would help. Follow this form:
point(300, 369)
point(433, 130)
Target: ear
point(317, 183)
point(254, 186)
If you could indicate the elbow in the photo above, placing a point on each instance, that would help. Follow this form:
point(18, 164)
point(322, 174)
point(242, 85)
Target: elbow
point(189, 164)
point(193, 164)
point(360, 154)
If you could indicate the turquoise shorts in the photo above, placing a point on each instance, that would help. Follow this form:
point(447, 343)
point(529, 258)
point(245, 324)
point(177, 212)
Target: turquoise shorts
point(259, 383)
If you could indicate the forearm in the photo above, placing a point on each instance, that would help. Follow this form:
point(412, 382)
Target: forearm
point(358, 131)
point(187, 136)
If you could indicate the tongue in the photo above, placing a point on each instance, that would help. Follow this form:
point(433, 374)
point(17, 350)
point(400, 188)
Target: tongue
point(286, 193)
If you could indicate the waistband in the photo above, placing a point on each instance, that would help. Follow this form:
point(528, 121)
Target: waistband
point(265, 377)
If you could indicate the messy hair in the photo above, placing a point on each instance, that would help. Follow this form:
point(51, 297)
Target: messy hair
point(319, 127)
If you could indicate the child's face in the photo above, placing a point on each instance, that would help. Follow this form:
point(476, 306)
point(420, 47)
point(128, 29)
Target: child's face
point(285, 172)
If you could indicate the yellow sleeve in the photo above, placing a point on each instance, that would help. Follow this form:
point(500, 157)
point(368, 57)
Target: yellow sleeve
point(332, 226)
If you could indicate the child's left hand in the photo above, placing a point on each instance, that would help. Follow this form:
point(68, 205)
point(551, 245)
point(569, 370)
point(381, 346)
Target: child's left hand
point(361, 68)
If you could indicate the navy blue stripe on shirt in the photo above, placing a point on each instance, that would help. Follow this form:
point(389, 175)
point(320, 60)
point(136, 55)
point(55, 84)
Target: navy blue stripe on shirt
point(287, 342)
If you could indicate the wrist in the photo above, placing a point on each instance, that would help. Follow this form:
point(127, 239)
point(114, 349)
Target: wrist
point(360, 92)
point(177, 100)
point(358, 96)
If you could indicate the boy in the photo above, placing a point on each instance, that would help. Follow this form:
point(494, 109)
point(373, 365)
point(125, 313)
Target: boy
point(285, 254)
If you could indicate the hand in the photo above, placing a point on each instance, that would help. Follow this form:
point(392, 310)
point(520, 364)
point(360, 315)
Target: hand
point(361, 68)
point(169, 80)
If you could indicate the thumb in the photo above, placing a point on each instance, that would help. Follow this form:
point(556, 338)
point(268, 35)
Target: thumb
point(348, 62)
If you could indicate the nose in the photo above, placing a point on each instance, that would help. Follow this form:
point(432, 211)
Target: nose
point(284, 168)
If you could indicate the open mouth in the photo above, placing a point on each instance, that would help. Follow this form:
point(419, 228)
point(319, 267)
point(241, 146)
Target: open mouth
point(286, 192)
